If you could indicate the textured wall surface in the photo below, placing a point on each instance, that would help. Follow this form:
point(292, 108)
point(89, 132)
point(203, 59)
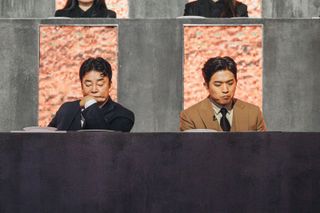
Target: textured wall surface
point(242, 43)
point(156, 8)
point(291, 8)
point(18, 74)
point(26, 8)
point(119, 6)
point(62, 51)
point(291, 77)
point(150, 76)
point(254, 7)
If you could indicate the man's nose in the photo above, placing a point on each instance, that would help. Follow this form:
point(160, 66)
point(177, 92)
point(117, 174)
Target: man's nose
point(94, 89)
point(225, 88)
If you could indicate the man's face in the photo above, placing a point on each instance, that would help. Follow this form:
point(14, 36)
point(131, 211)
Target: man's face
point(222, 87)
point(96, 85)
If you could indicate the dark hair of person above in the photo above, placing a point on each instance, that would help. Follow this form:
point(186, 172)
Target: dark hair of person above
point(216, 9)
point(79, 9)
point(96, 109)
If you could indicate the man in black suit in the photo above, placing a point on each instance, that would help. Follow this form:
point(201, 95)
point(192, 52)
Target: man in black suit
point(95, 110)
point(216, 9)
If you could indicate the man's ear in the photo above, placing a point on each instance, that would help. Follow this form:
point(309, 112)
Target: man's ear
point(205, 85)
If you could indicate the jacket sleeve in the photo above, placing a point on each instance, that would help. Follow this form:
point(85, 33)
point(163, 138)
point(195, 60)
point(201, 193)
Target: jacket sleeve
point(185, 122)
point(95, 119)
point(57, 117)
point(261, 126)
point(53, 122)
point(122, 124)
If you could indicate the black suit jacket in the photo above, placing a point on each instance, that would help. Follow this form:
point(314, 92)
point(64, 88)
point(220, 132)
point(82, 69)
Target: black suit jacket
point(90, 13)
point(212, 9)
point(112, 116)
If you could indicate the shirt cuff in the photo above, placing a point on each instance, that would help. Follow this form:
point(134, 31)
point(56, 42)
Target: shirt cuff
point(89, 103)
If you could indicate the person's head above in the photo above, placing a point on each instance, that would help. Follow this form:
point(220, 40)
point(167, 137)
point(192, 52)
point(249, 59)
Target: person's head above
point(85, 4)
point(95, 76)
point(220, 76)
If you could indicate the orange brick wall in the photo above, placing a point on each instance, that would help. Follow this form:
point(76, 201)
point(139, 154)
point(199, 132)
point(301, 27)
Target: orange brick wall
point(62, 50)
point(254, 7)
point(242, 43)
point(119, 6)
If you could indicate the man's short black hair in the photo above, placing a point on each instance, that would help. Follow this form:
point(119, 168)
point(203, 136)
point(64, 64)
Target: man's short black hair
point(96, 64)
point(217, 64)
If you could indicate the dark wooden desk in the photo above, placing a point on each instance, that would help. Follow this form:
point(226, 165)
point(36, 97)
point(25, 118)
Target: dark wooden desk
point(160, 172)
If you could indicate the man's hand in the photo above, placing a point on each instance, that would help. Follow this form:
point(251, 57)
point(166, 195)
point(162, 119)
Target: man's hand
point(85, 99)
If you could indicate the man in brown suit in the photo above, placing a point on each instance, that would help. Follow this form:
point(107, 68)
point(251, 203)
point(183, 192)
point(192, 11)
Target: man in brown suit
point(220, 111)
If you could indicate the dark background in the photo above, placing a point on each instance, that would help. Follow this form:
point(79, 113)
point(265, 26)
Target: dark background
point(160, 172)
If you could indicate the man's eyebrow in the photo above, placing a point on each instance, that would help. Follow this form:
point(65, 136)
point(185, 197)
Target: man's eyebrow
point(224, 81)
point(87, 80)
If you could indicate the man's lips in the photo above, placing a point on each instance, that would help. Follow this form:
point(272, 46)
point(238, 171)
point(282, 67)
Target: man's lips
point(99, 98)
point(225, 97)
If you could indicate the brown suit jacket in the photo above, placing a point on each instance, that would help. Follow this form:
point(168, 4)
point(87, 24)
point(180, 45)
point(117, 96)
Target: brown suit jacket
point(246, 117)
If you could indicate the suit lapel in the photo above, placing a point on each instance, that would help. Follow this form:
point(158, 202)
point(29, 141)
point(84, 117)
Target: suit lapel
point(106, 109)
point(109, 106)
point(239, 119)
point(207, 115)
point(73, 117)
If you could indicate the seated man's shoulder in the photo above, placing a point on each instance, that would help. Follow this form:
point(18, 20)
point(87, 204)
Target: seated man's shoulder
point(196, 107)
point(70, 104)
point(120, 110)
point(249, 106)
point(253, 115)
point(67, 106)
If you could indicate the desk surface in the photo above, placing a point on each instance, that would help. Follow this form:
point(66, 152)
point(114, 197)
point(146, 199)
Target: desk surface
point(160, 172)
